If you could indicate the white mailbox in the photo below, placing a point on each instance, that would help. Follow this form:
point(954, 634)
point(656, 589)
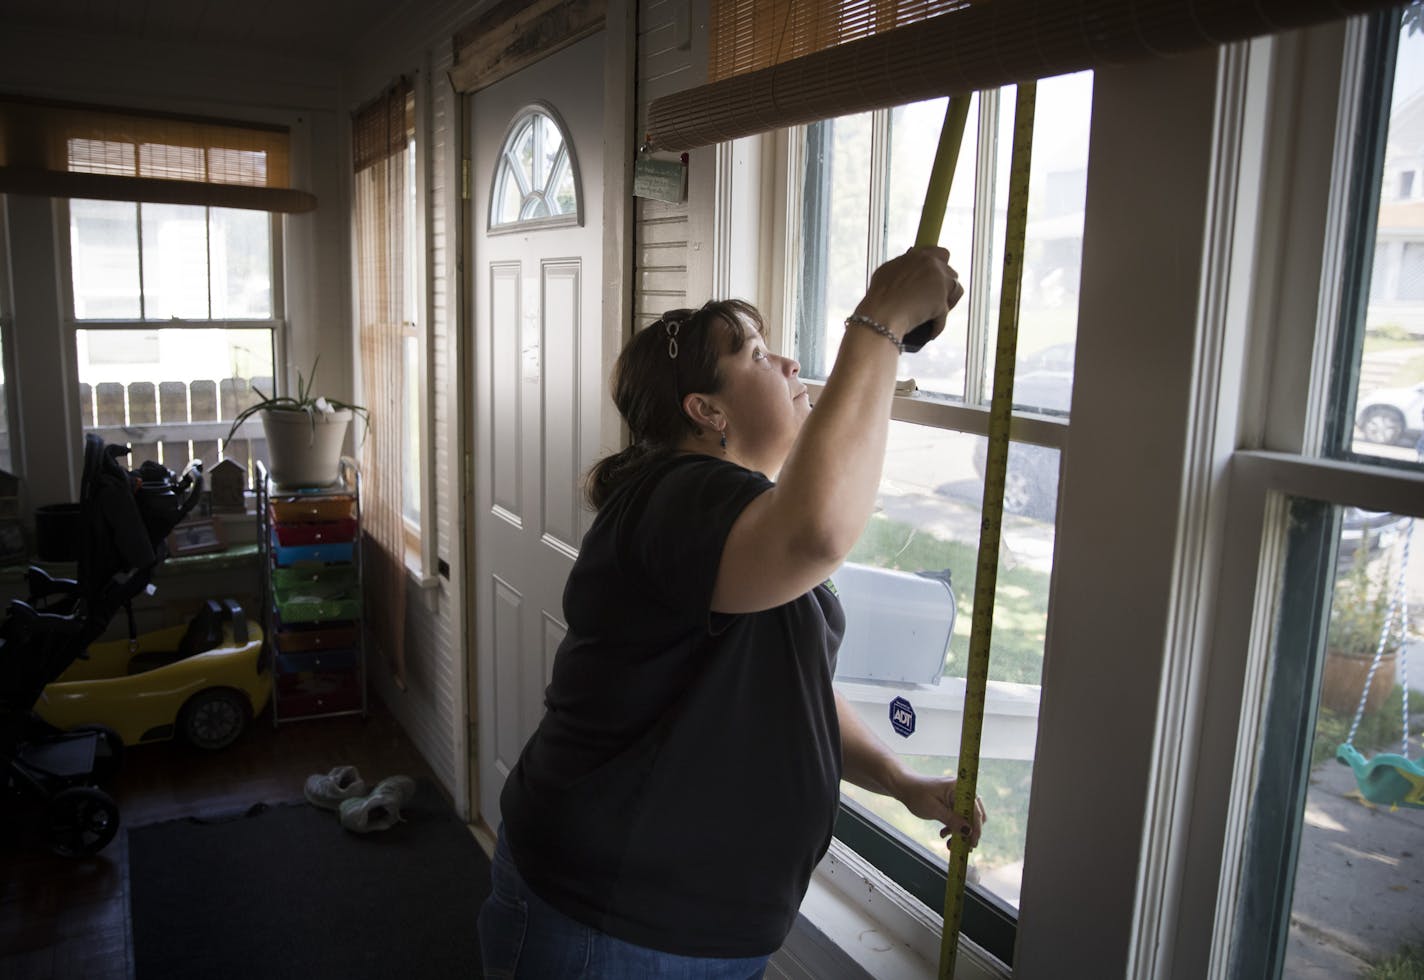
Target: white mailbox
point(898, 624)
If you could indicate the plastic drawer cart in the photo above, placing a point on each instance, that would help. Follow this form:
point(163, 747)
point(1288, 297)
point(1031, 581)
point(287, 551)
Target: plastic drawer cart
point(311, 595)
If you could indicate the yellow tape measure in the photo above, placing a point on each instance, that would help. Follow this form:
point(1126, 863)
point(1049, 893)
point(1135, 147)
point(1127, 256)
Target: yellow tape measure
point(987, 570)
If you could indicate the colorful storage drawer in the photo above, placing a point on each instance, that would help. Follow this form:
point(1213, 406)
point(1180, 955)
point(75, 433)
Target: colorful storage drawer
point(299, 663)
point(315, 578)
point(312, 552)
point(318, 692)
point(317, 532)
point(298, 509)
point(313, 609)
point(301, 640)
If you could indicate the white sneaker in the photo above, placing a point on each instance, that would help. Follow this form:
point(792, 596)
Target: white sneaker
point(330, 790)
point(381, 809)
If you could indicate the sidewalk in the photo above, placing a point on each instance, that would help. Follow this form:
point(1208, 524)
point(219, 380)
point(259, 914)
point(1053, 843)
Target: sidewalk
point(1359, 890)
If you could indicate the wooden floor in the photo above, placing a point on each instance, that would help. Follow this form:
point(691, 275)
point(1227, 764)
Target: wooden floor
point(62, 918)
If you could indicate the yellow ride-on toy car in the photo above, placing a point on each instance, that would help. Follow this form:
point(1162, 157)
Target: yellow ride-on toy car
point(202, 682)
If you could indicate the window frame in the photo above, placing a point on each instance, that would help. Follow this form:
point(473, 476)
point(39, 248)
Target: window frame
point(989, 922)
point(1245, 136)
point(1324, 474)
point(276, 324)
point(524, 225)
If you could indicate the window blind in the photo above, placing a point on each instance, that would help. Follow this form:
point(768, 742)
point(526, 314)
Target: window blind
point(60, 149)
point(798, 61)
point(748, 35)
point(381, 132)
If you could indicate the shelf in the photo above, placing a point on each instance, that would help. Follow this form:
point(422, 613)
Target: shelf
point(312, 601)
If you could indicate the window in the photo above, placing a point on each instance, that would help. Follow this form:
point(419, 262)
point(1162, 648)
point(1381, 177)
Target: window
point(536, 181)
point(1337, 800)
point(174, 314)
point(862, 181)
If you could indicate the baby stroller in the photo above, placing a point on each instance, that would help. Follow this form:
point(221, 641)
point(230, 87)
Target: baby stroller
point(124, 519)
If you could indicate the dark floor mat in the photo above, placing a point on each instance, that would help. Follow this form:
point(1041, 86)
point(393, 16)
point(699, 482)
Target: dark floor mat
point(284, 891)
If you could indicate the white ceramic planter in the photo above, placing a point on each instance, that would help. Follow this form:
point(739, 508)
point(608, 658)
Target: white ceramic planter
point(305, 450)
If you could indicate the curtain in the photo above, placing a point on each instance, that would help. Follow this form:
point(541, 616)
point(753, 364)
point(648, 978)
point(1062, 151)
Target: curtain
point(777, 63)
point(61, 149)
point(381, 134)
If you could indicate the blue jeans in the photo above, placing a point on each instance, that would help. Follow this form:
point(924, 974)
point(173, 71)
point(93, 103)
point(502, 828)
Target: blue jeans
point(522, 936)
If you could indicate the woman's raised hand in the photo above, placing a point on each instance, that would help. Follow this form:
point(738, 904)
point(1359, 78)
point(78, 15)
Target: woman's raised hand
point(912, 289)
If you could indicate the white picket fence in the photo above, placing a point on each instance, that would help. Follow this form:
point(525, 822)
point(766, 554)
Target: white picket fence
point(173, 422)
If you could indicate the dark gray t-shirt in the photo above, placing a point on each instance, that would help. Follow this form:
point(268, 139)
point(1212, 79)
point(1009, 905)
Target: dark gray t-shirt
point(684, 780)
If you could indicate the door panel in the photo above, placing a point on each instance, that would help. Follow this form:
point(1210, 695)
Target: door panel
point(537, 294)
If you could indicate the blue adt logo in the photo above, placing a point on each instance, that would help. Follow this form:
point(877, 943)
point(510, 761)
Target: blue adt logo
point(902, 717)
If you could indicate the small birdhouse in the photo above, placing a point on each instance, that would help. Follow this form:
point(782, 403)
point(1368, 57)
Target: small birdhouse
point(228, 482)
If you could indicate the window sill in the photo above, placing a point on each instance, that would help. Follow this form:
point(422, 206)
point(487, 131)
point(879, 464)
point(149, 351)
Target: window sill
point(855, 923)
point(417, 576)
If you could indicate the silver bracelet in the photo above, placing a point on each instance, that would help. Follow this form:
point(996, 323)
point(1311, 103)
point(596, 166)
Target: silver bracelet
point(878, 327)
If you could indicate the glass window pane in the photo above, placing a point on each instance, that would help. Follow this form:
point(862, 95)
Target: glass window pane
point(836, 195)
point(171, 162)
point(173, 354)
point(241, 264)
point(1053, 245)
point(411, 250)
point(410, 433)
point(103, 250)
point(86, 156)
point(228, 166)
point(175, 261)
point(914, 137)
point(507, 198)
point(1356, 897)
point(551, 142)
point(564, 201)
point(522, 150)
point(1389, 407)
point(924, 534)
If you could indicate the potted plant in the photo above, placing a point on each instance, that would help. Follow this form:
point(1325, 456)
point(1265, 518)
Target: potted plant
point(1357, 618)
point(304, 433)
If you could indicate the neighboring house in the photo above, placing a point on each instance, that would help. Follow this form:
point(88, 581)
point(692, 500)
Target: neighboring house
point(1190, 456)
point(1397, 281)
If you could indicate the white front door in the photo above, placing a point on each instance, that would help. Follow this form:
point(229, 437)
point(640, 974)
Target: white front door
point(536, 289)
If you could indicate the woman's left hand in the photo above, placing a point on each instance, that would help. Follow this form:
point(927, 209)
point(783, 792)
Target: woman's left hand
point(932, 798)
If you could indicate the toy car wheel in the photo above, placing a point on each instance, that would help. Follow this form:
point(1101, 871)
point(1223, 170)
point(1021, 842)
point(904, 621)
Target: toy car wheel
point(108, 754)
point(80, 821)
point(213, 719)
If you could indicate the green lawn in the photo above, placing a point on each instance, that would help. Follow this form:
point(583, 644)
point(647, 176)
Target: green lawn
point(1020, 605)
point(1020, 618)
point(1003, 785)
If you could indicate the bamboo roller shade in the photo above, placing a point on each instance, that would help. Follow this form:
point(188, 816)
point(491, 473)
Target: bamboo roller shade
point(846, 67)
point(382, 128)
point(61, 149)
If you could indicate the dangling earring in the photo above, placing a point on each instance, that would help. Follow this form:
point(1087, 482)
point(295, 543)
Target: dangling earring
point(724, 439)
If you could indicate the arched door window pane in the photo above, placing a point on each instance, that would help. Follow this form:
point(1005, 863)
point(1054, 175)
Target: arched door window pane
point(536, 179)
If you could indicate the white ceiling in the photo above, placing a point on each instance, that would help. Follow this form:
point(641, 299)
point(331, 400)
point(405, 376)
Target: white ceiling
point(324, 29)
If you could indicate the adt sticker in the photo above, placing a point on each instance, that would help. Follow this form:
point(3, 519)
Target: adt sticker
point(902, 717)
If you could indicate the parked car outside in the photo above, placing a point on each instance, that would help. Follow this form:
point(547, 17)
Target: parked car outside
point(1043, 383)
point(1392, 416)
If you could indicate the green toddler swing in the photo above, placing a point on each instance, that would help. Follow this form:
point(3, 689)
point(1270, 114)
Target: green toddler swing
point(1389, 779)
